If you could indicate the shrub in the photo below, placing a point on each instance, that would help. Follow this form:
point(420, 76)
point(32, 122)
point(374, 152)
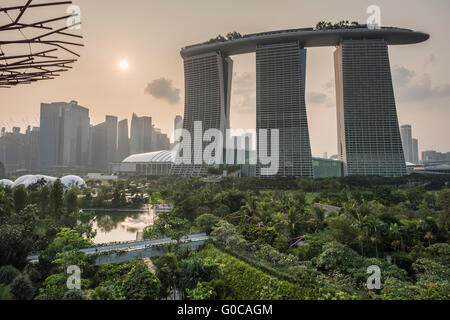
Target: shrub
point(206, 222)
point(7, 274)
point(22, 288)
point(245, 282)
point(141, 284)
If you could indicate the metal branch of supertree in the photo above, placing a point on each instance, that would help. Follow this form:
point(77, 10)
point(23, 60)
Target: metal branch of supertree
point(32, 51)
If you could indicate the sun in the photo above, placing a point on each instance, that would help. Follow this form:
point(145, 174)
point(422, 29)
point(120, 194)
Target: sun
point(123, 65)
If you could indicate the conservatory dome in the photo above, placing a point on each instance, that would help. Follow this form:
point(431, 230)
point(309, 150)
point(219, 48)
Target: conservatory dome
point(72, 181)
point(6, 183)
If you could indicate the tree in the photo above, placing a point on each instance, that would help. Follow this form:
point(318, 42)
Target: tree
point(64, 251)
point(6, 204)
point(15, 242)
point(56, 198)
point(8, 274)
point(71, 201)
point(206, 222)
point(141, 284)
point(360, 223)
point(22, 288)
point(196, 270)
point(119, 200)
point(5, 293)
point(415, 196)
point(20, 198)
point(167, 272)
point(74, 295)
point(342, 229)
point(156, 198)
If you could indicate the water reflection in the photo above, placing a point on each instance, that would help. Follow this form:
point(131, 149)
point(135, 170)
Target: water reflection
point(118, 226)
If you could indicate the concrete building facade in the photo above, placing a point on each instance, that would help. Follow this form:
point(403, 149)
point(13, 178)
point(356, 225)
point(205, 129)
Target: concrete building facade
point(369, 140)
point(280, 104)
point(207, 99)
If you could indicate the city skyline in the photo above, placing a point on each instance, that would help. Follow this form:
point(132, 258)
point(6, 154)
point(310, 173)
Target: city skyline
point(154, 85)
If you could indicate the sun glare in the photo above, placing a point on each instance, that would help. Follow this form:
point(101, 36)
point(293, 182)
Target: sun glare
point(123, 65)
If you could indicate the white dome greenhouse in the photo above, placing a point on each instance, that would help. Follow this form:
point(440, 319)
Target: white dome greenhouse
point(28, 180)
point(72, 181)
point(6, 183)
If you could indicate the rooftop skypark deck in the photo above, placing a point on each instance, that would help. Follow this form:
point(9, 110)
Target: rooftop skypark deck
point(308, 37)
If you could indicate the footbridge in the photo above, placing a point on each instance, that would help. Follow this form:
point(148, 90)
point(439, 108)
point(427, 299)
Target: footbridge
point(122, 252)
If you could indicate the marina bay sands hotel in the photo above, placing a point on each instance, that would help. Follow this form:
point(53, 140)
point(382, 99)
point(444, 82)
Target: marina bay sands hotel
point(369, 140)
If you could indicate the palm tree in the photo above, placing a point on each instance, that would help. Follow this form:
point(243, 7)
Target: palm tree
point(396, 232)
point(360, 223)
point(251, 206)
point(428, 237)
point(374, 226)
point(318, 218)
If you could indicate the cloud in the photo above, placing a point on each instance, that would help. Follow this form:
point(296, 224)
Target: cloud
point(410, 87)
point(163, 89)
point(315, 98)
point(330, 84)
point(402, 76)
point(244, 93)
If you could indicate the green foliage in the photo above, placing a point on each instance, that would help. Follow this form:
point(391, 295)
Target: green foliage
point(71, 201)
point(22, 288)
point(107, 291)
point(342, 229)
point(20, 195)
point(395, 289)
point(336, 256)
point(8, 274)
point(206, 222)
point(119, 200)
point(6, 204)
point(213, 290)
point(74, 295)
point(54, 287)
point(195, 269)
point(167, 272)
point(427, 270)
point(255, 285)
point(141, 284)
point(258, 233)
point(64, 251)
point(5, 293)
point(57, 198)
point(168, 224)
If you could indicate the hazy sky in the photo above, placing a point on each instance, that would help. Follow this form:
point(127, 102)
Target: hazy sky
point(149, 34)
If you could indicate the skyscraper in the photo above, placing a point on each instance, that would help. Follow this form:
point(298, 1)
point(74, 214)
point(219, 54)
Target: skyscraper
point(64, 134)
point(415, 148)
point(19, 151)
point(177, 124)
point(207, 99)
point(280, 104)
point(407, 142)
point(123, 142)
point(111, 138)
point(368, 133)
point(50, 133)
point(141, 136)
point(99, 151)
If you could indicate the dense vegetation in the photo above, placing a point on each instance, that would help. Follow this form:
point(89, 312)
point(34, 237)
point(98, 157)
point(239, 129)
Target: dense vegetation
point(273, 239)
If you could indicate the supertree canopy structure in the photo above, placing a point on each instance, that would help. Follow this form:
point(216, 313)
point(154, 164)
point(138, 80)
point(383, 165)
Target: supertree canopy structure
point(37, 41)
